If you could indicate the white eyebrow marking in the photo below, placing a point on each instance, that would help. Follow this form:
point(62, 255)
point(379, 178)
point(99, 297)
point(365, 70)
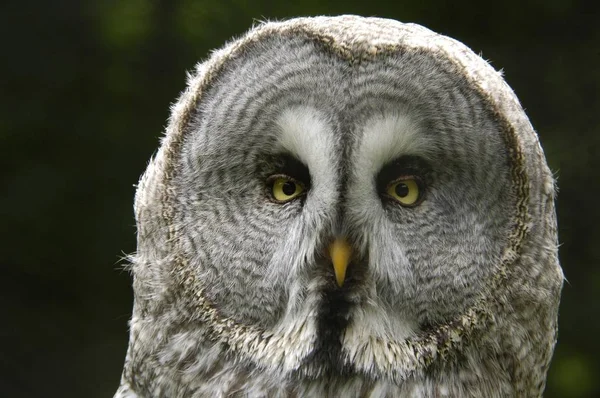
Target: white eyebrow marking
point(382, 139)
point(306, 134)
point(388, 137)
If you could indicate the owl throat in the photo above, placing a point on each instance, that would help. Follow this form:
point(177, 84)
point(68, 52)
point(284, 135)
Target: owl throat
point(326, 358)
point(334, 314)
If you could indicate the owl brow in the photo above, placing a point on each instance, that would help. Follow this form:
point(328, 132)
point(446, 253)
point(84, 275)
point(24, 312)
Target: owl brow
point(291, 166)
point(401, 167)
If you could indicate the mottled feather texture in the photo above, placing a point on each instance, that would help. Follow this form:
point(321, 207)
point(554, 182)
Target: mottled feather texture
point(234, 296)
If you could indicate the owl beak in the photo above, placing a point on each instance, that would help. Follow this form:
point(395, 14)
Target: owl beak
point(340, 253)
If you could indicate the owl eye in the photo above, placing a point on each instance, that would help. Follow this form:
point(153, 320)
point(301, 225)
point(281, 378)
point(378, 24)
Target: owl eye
point(406, 191)
point(285, 188)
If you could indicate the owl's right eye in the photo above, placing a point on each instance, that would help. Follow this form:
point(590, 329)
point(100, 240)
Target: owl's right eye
point(285, 188)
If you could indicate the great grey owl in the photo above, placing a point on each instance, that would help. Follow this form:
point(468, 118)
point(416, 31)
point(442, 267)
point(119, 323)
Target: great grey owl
point(348, 207)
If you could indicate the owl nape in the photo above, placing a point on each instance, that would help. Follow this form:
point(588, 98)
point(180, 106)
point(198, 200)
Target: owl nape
point(344, 206)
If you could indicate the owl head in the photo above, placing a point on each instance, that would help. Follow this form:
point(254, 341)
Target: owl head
point(344, 206)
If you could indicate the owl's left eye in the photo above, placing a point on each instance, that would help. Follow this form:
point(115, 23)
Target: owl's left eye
point(285, 188)
point(406, 191)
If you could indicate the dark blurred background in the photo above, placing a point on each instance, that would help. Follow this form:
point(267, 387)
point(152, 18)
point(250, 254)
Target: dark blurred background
point(85, 93)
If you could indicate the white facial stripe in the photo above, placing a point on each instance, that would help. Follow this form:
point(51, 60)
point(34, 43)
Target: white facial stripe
point(304, 133)
point(382, 139)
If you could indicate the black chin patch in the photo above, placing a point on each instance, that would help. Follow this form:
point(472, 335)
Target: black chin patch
point(327, 358)
point(332, 320)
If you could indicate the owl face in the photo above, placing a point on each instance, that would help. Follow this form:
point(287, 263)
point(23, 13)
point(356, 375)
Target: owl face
point(344, 202)
point(293, 147)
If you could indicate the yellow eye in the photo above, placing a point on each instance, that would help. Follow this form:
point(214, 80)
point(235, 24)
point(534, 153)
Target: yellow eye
point(286, 189)
point(406, 191)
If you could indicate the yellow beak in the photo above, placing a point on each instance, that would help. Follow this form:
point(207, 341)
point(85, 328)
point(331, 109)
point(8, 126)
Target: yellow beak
point(340, 252)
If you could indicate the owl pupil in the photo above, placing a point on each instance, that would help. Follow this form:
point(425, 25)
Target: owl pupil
point(401, 190)
point(289, 188)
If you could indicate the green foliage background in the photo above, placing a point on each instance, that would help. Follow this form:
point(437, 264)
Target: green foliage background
point(86, 88)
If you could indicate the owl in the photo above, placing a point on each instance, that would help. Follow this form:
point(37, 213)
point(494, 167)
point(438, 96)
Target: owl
point(344, 207)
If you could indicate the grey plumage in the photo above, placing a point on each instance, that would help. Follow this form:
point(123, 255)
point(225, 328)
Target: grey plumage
point(456, 296)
